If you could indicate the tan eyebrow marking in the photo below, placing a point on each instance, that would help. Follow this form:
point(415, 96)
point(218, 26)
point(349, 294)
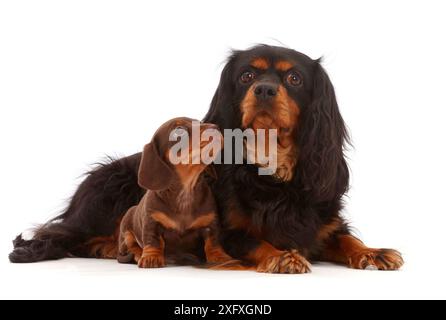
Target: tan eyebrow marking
point(283, 65)
point(260, 63)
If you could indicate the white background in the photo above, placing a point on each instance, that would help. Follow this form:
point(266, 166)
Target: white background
point(82, 79)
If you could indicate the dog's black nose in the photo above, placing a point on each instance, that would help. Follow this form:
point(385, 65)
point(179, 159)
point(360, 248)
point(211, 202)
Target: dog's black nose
point(265, 91)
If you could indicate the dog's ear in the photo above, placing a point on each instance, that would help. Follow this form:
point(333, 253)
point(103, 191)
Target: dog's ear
point(154, 173)
point(322, 138)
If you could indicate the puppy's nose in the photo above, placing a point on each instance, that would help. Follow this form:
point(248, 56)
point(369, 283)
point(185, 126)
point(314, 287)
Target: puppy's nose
point(265, 91)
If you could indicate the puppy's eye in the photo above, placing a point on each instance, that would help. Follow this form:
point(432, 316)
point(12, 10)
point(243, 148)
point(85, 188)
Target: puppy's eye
point(294, 79)
point(247, 77)
point(179, 132)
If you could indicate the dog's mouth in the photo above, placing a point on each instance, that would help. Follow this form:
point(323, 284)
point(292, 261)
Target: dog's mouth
point(264, 120)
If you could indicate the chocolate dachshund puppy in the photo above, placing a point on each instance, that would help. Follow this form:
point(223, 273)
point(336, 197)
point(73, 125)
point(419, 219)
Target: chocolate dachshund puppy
point(176, 220)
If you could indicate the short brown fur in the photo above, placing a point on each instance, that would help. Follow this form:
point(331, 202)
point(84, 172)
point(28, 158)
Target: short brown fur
point(178, 205)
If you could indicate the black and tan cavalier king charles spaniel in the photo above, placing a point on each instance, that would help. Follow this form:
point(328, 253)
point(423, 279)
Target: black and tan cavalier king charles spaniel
point(278, 223)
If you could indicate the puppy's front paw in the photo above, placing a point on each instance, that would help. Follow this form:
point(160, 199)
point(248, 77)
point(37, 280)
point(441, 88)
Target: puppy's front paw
point(381, 259)
point(287, 262)
point(151, 261)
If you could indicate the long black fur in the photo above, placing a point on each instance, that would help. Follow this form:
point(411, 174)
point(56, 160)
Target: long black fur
point(288, 214)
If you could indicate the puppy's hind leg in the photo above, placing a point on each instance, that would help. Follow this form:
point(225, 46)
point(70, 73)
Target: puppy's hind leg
point(129, 250)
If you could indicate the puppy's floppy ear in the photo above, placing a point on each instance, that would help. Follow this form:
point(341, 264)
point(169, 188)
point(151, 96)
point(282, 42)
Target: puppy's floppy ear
point(322, 137)
point(154, 173)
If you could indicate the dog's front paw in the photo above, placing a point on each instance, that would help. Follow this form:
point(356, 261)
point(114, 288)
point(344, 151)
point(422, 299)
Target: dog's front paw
point(151, 261)
point(286, 262)
point(381, 259)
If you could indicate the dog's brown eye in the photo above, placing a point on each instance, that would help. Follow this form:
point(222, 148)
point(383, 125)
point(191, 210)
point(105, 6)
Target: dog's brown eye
point(247, 77)
point(294, 79)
